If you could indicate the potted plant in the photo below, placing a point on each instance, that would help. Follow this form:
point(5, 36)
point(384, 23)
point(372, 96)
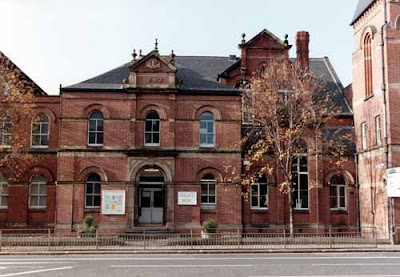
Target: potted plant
point(209, 226)
point(89, 227)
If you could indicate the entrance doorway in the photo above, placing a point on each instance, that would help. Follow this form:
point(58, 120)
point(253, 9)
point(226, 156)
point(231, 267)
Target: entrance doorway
point(151, 196)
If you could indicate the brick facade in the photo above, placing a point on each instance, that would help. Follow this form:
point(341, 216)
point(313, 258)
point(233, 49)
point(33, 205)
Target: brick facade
point(179, 91)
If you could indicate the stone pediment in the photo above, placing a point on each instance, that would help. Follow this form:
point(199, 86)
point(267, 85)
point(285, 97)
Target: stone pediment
point(152, 71)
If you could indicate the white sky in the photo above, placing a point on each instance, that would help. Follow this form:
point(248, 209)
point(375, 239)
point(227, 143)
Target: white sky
point(67, 41)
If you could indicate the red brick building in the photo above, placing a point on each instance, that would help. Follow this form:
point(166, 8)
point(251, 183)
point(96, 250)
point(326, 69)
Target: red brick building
point(147, 144)
point(376, 79)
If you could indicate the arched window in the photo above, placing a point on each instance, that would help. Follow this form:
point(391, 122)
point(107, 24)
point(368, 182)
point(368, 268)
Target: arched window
point(368, 65)
point(96, 129)
point(208, 190)
point(3, 192)
point(40, 131)
point(300, 177)
point(338, 193)
point(207, 130)
point(5, 131)
point(38, 192)
point(93, 191)
point(152, 130)
point(259, 193)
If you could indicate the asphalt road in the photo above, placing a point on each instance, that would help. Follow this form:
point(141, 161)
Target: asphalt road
point(317, 265)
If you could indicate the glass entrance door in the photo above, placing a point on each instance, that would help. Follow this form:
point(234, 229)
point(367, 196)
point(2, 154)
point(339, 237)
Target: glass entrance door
point(151, 205)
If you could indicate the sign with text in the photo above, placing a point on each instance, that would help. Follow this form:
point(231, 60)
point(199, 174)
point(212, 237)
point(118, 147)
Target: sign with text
point(113, 202)
point(393, 182)
point(187, 198)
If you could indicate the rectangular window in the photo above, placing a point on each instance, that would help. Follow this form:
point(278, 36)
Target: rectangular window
point(38, 195)
point(208, 192)
point(364, 135)
point(300, 183)
point(378, 129)
point(259, 196)
point(93, 195)
point(338, 197)
point(3, 195)
point(5, 132)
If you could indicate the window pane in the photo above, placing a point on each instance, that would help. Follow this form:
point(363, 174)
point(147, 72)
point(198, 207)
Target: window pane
point(34, 188)
point(304, 199)
point(42, 189)
point(100, 125)
point(99, 138)
point(333, 201)
point(210, 139)
point(210, 127)
point(92, 125)
point(203, 139)
point(97, 188)
point(4, 201)
point(212, 199)
point(342, 191)
point(263, 189)
point(148, 125)
point(92, 138)
point(211, 189)
point(156, 126)
point(33, 201)
point(303, 182)
point(42, 201)
point(303, 164)
point(35, 139)
point(44, 140)
point(204, 189)
point(254, 201)
point(203, 125)
point(156, 138)
point(148, 138)
point(342, 202)
point(264, 201)
point(89, 201)
point(97, 201)
point(204, 199)
point(89, 188)
point(45, 128)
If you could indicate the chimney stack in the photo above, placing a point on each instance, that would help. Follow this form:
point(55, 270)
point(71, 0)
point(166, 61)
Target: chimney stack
point(302, 42)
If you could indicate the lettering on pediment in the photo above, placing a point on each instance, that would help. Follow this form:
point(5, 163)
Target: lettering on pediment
point(153, 64)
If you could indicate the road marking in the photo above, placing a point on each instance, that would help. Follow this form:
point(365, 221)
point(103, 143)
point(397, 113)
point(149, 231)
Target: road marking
point(180, 265)
point(331, 276)
point(361, 264)
point(3, 262)
point(200, 258)
point(35, 271)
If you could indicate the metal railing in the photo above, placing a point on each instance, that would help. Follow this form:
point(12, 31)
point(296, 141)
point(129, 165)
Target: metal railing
point(257, 239)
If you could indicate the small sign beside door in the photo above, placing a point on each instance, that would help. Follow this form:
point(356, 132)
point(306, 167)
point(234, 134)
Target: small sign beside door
point(113, 202)
point(187, 198)
point(393, 182)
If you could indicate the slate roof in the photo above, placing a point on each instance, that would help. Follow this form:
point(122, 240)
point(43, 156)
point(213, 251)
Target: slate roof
point(195, 72)
point(200, 74)
point(362, 6)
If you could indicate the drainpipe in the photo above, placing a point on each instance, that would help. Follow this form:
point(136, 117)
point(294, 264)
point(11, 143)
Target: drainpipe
point(357, 185)
point(385, 127)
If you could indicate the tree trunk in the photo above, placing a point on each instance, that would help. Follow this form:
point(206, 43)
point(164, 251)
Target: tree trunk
point(290, 213)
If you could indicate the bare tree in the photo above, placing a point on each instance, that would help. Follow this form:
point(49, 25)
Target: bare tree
point(287, 104)
point(17, 98)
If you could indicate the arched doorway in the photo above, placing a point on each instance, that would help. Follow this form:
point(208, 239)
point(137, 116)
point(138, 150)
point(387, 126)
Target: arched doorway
point(151, 196)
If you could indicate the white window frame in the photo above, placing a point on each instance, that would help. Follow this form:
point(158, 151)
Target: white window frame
point(152, 132)
point(364, 141)
point(96, 132)
point(338, 208)
point(299, 174)
point(93, 194)
point(204, 131)
point(39, 194)
point(258, 196)
point(208, 182)
point(3, 192)
point(4, 133)
point(378, 128)
point(40, 134)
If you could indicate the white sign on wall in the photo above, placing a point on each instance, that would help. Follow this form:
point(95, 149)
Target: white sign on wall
point(393, 182)
point(187, 198)
point(113, 202)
